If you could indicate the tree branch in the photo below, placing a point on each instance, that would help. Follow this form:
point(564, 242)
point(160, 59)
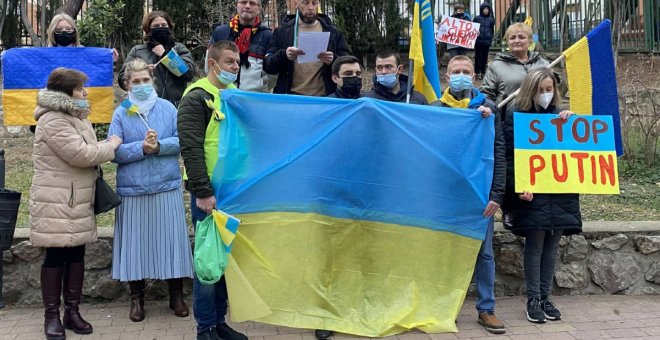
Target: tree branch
point(71, 7)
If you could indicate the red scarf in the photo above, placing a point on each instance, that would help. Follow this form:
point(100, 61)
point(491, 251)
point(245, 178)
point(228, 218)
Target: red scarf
point(243, 40)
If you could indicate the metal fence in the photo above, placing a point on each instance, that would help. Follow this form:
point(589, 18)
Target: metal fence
point(559, 23)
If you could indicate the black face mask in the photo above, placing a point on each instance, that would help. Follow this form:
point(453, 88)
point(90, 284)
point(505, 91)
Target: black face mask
point(160, 35)
point(352, 86)
point(65, 38)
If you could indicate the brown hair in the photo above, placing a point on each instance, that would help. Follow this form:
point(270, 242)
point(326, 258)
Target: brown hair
point(216, 49)
point(459, 58)
point(347, 59)
point(50, 32)
point(529, 89)
point(146, 23)
point(389, 53)
point(65, 80)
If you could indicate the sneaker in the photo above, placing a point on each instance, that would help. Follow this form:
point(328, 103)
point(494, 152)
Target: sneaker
point(226, 333)
point(551, 312)
point(322, 334)
point(491, 323)
point(535, 311)
point(208, 335)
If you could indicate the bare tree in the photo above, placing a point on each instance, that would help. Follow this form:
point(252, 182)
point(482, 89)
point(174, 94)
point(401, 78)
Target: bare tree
point(3, 14)
point(71, 7)
point(28, 24)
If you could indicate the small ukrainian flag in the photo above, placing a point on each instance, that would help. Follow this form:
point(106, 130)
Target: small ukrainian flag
point(227, 227)
point(174, 63)
point(131, 108)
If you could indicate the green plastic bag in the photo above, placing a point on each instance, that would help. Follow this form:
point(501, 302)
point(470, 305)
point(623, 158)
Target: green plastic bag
point(210, 257)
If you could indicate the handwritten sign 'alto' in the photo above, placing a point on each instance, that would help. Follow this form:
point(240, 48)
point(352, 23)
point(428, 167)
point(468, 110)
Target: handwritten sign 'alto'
point(458, 32)
point(554, 155)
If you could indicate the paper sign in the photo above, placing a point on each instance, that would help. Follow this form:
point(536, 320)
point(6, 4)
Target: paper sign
point(312, 43)
point(458, 32)
point(553, 155)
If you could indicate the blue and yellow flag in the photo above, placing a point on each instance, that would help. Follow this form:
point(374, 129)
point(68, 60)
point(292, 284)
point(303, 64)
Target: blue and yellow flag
point(26, 70)
point(422, 51)
point(592, 77)
point(355, 216)
point(174, 63)
point(227, 227)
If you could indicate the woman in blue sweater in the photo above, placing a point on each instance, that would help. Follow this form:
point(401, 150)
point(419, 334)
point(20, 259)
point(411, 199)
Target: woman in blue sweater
point(151, 235)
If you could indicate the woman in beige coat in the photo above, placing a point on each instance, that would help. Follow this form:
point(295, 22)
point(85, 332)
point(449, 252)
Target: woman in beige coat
point(66, 155)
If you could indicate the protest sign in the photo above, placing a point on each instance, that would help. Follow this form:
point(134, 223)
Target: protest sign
point(458, 32)
point(555, 155)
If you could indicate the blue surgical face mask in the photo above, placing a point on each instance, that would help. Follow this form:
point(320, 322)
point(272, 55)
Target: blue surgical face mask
point(142, 91)
point(388, 80)
point(460, 82)
point(225, 77)
point(82, 103)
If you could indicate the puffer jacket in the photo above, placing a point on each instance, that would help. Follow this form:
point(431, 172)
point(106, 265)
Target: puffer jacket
point(137, 173)
point(167, 85)
point(277, 63)
point(65, 156)
point(487, 25)
point(549, 212)
point(505, 74)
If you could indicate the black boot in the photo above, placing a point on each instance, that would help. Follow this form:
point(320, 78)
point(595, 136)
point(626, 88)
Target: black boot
point(74, 273)
point(322, 334)
point(51, 288)
point(176, 297)
point(137, 300)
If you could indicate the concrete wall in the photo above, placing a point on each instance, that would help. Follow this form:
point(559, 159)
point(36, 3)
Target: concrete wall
point(608, 258)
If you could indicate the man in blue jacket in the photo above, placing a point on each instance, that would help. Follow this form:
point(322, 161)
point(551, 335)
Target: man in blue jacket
point(252, 38)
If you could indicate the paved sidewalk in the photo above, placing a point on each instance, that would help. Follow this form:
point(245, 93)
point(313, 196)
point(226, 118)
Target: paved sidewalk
point(585, 317)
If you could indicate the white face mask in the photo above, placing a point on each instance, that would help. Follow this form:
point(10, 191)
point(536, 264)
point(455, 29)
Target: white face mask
point(544, 99)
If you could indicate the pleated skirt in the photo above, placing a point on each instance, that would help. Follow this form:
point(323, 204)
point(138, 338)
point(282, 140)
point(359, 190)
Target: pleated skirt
point(151, 238)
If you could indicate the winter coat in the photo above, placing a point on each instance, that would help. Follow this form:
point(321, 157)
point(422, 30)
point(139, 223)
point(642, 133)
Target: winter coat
point(499, 168)
point(137, 173)
point(65, 155)
point(383, 93)
point(277, 63)
point(487, 28)
point(549, 212)
point(167, 85)
point(252, 78)
point(505, 74)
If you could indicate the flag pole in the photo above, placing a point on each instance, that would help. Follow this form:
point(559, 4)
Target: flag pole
point(409, 82)
point(295, 29)
point(513, 95)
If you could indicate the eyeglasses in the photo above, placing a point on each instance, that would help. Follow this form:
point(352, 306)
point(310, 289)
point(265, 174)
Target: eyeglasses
point(252, 3)
point(67, 30)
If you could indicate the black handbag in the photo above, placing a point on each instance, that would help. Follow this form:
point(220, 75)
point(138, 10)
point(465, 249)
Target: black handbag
point(105, 199)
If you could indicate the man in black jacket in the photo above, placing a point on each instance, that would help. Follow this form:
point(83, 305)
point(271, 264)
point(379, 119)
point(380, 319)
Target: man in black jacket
point(347, 74)
point(312, 79)
point(461, 93)
point(390, 83)
point(253, 39)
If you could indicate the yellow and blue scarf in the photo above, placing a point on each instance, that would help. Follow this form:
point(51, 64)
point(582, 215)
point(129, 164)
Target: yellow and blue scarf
point(477, 100)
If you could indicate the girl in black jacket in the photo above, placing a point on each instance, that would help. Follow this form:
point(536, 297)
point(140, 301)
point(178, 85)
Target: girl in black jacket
point(541, 218)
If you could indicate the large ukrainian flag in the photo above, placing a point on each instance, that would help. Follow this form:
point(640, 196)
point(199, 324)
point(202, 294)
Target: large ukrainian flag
point(422, 51)
point(592, 77)
point(26, 70)
point(362, 216)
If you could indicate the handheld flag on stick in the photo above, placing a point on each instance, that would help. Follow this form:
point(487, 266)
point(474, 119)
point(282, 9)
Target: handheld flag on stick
point(132, 109)
point(592, 77)
point(422, 51)
point(174, 63)
point(227, 227)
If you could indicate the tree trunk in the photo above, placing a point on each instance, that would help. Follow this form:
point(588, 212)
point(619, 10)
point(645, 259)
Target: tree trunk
point(3, 12)
point(28, 24)
point(71, 7)
point(42, 23)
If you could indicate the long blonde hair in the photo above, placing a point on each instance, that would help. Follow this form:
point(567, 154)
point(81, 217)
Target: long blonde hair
point(50, 32)
point(529, 89)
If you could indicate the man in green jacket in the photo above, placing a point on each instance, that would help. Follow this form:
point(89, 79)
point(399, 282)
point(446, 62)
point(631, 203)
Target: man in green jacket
point(198, 122)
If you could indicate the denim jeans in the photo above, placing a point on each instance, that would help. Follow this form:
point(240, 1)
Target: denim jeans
point(209, 301)
point(540, 258)
point(484, 273)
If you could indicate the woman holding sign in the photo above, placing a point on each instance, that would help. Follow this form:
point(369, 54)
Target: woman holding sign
point(151, 234)
point(171, 61)
point(541, 218)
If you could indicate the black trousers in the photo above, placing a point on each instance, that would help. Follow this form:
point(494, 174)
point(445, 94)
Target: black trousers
point(481, 58)
point(57, 257)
